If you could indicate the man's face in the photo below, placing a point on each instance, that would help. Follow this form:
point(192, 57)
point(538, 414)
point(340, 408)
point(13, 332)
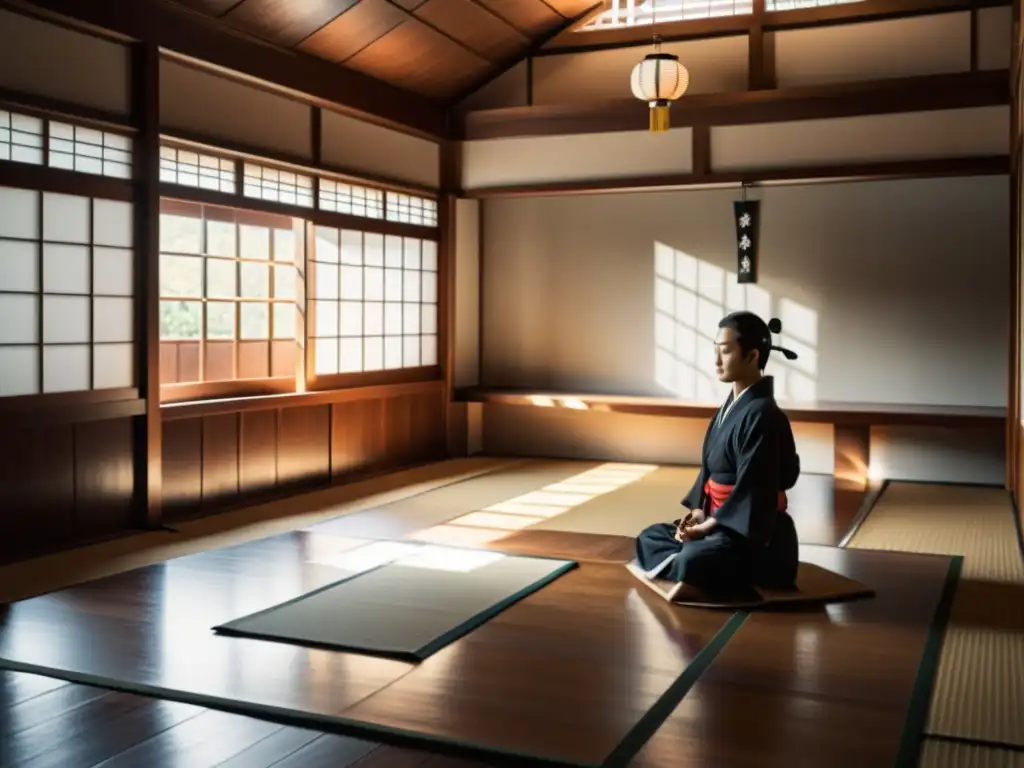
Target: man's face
point(730, 363)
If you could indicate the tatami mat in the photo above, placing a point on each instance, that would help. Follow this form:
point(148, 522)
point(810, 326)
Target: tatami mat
point(979, 685)
point(651, 498)
point(937, 753)
point(405, 517)
point(407, 609)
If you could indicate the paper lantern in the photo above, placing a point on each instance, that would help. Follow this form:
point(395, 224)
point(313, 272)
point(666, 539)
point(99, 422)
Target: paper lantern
point(659, 80)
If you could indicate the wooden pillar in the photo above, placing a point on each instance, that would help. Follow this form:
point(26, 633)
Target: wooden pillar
point(760, 52)
point(701, 149)
point(1013, 404)
point(454, 412)
point(852, 446)
point(145, 83)
point(1013, 410)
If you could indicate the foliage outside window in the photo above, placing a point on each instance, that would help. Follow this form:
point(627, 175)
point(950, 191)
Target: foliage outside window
point(229, 296)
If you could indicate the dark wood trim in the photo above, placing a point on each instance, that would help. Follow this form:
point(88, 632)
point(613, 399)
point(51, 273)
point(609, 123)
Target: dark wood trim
point(529, 81)
point(481, 232)
point(9, 406)
point(43, 106)
point(827, 15)
point(701, 151)
point(448, 220)
point(757, 53)
point(212, 390)
point(44, 179)
point(1013, 398)
point(148, 449)
point(178, 411)
point(768, 59)
point(324, 218)
point(378, 378)
point(837, 414)
point(222, 50)
point(898, 95)
point(901, 169)
point(312, 165)
point(974, 39)
point(756, 80)
point(38, 411)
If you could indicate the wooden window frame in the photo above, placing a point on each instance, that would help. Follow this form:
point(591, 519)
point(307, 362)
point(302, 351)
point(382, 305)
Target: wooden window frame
point(42, 178)
point(305, 380)
point(403, 375)
point(235, 387)
point(11, 103)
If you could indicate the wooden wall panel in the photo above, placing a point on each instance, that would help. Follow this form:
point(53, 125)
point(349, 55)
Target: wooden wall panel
point(215, 460)
point(257, 451)
point(304, 444)
point(547, 159)
point(104, 478)
point(924, 45)
point(219, 475)
point(192, 100)
point(978, 132)
point(64, 484)
point(60, 63)
point(415, 428)
point(358, 442)
point(182, 466)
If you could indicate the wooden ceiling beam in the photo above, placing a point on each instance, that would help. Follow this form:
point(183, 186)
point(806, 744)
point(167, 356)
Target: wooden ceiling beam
point(912, 94)
point(941, 167)
point(570, 41)
point(212, 45)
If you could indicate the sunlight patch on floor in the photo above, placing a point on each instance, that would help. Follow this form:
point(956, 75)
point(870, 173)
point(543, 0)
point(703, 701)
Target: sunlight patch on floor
point(499, 520)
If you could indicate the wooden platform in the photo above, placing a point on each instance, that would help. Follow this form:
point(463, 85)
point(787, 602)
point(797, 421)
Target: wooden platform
point(820, 412)
point(589, 671)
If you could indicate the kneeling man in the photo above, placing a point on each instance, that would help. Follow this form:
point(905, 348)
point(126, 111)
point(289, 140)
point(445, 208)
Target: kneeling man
point(738, 534)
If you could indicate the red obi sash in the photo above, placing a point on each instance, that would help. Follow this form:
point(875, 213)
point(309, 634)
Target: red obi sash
point(717, 494)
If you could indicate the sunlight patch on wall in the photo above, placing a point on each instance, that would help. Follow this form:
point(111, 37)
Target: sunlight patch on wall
point(690, 297)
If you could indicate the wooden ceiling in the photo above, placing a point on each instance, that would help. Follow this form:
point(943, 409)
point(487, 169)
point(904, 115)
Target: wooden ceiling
point(441, 49)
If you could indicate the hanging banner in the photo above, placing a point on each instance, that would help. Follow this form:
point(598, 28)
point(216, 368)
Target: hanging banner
point(747, 220)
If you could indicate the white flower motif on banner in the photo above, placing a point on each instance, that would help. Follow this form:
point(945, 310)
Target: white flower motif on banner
point(745, 243)
point(745, 265)
point(744, 221)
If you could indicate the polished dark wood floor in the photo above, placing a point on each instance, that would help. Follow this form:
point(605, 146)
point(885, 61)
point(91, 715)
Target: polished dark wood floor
point(568, 673)
point(48, 723)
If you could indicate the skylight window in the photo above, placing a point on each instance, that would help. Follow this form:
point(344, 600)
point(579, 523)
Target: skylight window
point(638, 13)
point(641, 13)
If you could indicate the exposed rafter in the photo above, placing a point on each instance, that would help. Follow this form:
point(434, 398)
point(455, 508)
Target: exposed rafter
point(207, 43)
point(531, 51)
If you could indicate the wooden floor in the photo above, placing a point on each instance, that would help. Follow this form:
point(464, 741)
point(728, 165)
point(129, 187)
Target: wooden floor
point(590, 670)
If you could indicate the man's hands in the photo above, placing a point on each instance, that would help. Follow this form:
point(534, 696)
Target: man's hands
point(694, 526)
point(695, 532)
